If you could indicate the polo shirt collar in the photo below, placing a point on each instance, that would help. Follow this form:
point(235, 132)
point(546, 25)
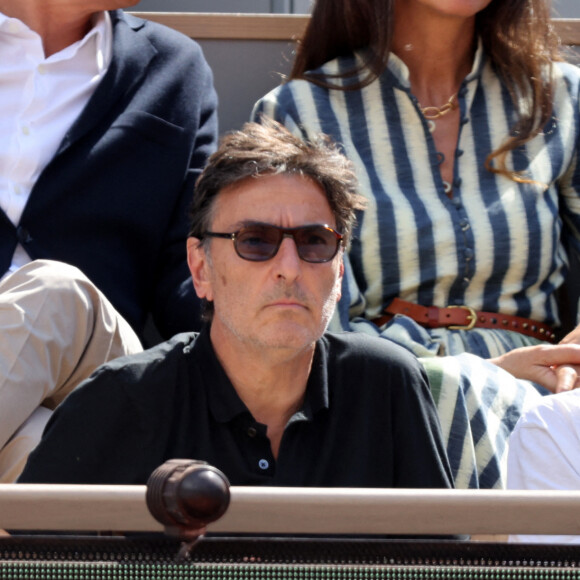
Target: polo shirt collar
point(224, 402)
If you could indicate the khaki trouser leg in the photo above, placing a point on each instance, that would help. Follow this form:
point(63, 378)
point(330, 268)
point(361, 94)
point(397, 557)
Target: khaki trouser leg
point(55, 329)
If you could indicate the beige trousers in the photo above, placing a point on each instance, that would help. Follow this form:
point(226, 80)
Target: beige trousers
point(55, 329)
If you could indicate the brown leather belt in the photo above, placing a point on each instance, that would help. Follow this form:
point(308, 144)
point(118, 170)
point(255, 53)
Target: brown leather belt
point(465, 318)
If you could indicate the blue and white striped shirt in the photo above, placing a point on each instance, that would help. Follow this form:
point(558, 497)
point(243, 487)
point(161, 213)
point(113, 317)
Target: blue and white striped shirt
point(496, 246)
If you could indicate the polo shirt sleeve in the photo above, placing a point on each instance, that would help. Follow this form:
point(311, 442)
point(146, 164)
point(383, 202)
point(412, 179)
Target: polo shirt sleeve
point(96, 436)
point(419, 452)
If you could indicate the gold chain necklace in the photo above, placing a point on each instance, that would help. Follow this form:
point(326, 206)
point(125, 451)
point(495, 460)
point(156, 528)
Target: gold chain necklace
point(432, 113)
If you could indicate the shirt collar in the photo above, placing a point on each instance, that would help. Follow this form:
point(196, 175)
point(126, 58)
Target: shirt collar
point(4, 20)
point(224, 402)
point(102, 31)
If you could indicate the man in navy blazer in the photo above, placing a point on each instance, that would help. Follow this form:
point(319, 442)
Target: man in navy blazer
point(113, 200)
point(106, 122)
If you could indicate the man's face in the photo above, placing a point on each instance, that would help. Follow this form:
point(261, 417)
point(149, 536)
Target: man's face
point(281, 303)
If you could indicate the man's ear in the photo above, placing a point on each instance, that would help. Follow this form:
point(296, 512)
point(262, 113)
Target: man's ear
point(199, 267)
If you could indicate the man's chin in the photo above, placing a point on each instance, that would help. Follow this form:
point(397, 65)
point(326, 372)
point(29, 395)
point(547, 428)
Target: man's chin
point(290, 334)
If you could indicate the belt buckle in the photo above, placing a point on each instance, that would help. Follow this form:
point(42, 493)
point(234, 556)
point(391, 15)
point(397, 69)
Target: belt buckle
point(471, 317)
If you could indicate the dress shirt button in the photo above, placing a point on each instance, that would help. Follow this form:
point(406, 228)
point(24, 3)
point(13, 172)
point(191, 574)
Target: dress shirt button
point(456, 202)
point(23, 235)
point(41, 69)
point(25, 130)
point(17, 189)
point(468, 254)
point(252, 432)
point(464, 225)
point(263, 464)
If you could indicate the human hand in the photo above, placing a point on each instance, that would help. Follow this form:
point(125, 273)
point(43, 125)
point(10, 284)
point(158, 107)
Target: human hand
point(555, 367)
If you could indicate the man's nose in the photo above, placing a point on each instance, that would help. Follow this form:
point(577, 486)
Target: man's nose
point(288, 262)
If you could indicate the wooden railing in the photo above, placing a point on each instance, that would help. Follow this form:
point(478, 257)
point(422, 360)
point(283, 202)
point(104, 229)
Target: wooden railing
point(206, 26)
point(281, 26)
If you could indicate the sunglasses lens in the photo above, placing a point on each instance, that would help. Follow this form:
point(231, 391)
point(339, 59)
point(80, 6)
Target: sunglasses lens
point(316, 243)
point(258, 243)
point(261, 242)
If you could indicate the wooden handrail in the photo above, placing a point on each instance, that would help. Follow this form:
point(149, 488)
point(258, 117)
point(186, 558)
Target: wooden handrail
point(269, 510)
point(568, 30)
point(207, 25)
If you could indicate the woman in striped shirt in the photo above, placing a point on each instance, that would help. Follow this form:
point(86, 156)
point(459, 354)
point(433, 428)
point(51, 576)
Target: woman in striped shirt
point(463, 124)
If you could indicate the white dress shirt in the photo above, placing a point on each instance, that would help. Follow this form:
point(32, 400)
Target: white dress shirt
point(544, 453)
point(40, 100)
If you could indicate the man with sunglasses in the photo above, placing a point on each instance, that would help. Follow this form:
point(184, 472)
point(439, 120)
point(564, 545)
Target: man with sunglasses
point(264, 393)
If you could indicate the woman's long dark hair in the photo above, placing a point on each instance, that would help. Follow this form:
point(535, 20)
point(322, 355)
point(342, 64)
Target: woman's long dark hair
point(517, 36)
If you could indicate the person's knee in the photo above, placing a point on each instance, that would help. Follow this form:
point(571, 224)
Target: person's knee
point(52, 294)
point(44, 274)
point(56, 275)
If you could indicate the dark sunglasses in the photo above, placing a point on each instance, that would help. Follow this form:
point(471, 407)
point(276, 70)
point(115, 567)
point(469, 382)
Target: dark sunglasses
point(261, 242)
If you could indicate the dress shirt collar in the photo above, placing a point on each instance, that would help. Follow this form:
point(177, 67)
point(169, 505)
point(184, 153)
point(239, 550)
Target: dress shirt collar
point(102, 31)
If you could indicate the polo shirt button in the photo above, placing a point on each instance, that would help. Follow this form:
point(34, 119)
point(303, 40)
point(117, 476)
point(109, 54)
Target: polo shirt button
point(252, 432)
point(263, 464)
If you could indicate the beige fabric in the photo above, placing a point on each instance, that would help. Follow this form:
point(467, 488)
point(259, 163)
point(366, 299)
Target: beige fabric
point(55, 329)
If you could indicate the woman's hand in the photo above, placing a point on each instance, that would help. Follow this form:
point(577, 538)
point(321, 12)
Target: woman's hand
point(555, 367)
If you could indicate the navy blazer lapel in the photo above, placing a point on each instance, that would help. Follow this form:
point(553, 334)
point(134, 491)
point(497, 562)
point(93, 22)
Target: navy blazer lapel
point(8, 241)
point(132, 53)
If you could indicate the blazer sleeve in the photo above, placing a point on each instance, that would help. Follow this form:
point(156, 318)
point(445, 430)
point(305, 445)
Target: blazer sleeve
point(175, 306)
